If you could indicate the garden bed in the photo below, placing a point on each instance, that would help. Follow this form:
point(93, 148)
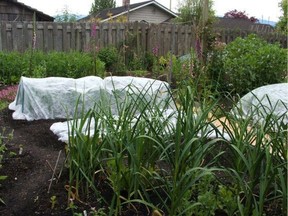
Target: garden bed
point(29, 162)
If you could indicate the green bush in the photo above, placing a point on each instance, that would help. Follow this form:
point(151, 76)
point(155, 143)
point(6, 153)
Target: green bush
point(38, 64)
point(248, 63)
point(10, 67)
point(110, 56)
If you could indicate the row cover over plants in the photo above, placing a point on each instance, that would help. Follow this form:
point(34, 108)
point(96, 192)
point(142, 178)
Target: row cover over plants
point(56, 97)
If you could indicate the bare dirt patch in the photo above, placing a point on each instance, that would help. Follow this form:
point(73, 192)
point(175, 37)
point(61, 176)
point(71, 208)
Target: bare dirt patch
point(25, 191)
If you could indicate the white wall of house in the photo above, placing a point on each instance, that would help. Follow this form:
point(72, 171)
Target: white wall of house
point(150, 14)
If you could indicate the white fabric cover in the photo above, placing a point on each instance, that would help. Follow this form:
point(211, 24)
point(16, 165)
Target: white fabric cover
point(56, 97)
point(263, 101)
point(60, 129)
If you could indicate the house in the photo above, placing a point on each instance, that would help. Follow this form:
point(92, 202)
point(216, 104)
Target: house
point(12, 10)
point(147, 11)
point(241, 24)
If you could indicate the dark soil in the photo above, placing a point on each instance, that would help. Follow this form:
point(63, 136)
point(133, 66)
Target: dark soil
point(25, 191)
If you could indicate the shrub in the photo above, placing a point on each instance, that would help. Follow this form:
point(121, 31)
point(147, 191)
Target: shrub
point(109, 55)
point(71, 64)
point(38, 64)
point(10, 67)
point(246, 64)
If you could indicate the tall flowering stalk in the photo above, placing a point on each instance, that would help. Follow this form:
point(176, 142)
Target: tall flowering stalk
point(94, 48)
point(33, 46)
point(34, 40)
point(155, 52)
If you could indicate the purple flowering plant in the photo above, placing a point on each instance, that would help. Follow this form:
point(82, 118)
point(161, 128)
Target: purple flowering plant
point(8, 94)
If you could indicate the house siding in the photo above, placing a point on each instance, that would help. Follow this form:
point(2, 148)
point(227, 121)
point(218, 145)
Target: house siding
point(150, 14)
point(12, 11)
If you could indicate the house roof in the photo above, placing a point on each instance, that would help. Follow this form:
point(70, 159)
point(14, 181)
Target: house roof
point(119, 11)
point(241, 24)
point(38, 13)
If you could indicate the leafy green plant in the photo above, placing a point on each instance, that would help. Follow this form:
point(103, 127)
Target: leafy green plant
point(109, 55)
point(3, 104)
point(257, 160)
point(139, 73)
point(251, 62)
point(53, 201)
point(11, 67)
point(4, 138)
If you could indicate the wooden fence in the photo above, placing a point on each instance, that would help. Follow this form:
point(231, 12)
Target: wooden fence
point(83, 36)
point(163, 38)
point(228, 36)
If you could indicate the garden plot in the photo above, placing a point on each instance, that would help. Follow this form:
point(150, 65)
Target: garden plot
point(52, 98)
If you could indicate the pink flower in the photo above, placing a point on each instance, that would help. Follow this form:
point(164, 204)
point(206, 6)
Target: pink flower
point(93, 30)
point(155, 50)
point(8, 94)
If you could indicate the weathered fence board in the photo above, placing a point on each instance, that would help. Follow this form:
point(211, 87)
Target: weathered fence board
point(227, 36)
point(177, 39)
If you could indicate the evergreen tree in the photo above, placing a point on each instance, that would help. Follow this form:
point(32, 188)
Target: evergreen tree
point(99, 5)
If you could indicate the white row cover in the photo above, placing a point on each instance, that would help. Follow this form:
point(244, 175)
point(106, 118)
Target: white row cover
point(263, 101)
point(57, 97)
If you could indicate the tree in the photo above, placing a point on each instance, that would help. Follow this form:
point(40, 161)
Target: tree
point(99, 5)
point(195, 12)
point(240, 15)
point(282, 24)
point(65, 16)
point(200, 15)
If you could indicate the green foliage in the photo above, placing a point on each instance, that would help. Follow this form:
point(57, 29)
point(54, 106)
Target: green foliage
point(4, 138)
point(135, 62)
point(11, 67)
point(71, 64)
point(99, 5)
point(38, 64)
point(111, 58)
point(140, 155)
point(215, 67)
point(139, 73)
point(256, 154)
point(282, 25)
point(248, 63)
point(192, 12)
point(53, 201)
point(3, 104)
